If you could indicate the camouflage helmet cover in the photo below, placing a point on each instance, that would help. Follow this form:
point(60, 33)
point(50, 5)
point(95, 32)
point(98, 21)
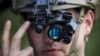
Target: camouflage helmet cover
point(22, 5)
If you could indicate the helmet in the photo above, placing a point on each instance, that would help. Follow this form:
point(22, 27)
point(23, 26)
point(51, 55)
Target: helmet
point(24, 5)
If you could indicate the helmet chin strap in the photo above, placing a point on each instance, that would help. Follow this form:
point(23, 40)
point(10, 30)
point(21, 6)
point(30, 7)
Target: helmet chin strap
point(73, 50)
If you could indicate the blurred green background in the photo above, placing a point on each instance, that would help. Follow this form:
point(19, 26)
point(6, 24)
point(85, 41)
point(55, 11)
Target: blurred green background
point(92, 46)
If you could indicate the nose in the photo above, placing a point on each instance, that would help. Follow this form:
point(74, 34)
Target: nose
point(47, 40)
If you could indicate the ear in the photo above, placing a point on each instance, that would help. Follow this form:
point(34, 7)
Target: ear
point(89, 18)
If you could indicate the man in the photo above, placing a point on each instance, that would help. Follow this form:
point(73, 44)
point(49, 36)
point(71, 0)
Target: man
point(55, 27)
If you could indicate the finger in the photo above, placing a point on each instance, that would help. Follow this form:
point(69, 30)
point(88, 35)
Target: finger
point(15, 44)
point(27, 52)
point(5, 38)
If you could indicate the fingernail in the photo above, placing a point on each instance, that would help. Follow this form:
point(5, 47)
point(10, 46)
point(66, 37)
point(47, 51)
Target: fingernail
point(27, 23)
point(8, 22)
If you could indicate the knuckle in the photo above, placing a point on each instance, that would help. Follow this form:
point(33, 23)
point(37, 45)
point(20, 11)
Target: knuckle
point(30, 48)
point(15, 38)
point(4, 39)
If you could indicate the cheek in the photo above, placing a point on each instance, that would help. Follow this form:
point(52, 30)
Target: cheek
point(36, 39)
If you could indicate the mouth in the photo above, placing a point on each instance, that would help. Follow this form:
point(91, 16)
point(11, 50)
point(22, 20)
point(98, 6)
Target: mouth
point(51, 52)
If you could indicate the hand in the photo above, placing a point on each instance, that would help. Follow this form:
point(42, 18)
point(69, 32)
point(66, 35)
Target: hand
point(13, 48)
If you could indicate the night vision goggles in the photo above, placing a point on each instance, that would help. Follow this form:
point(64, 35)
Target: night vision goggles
point(62, 26)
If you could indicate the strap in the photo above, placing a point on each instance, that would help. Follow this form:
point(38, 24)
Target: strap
point(73, 50)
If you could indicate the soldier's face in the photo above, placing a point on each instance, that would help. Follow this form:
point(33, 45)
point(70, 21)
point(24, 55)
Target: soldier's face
point(43, 46)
